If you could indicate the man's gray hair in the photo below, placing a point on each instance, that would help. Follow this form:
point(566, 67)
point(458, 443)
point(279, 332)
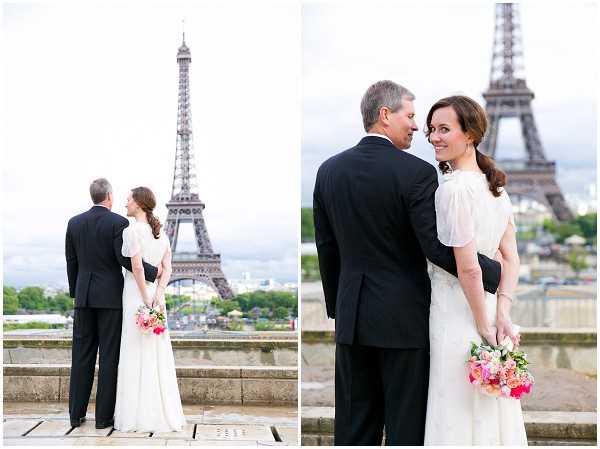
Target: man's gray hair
point(99, 190)
point(382, 93)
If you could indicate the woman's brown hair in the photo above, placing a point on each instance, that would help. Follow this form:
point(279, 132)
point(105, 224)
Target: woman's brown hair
point(473, 121)
point(144, 198)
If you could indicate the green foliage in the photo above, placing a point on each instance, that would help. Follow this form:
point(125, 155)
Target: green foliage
point(270, 326)
point(307, 227)
point(549, 225)
point(309, 265)
point(582, 225)
point(587, 224)
point(187, 310)
point(174, 301)
point(281, 313)
point(565, 230)
point(265, 302)
point(32, 298)
point(235, 325)
point(229, 305)
point(11, 301)
point(31, 325)
point(526, 235)
point(61, 303)
point(577, 260)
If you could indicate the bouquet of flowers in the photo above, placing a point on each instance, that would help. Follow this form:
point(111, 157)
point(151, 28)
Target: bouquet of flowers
point(499, 370)
point(151, 319)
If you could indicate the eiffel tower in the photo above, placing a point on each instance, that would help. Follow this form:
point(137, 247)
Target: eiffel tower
point(533, 177)
point(185, 206)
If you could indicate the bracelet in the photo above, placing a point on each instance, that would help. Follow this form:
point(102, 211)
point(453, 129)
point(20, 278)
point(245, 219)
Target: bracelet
point(506, 296)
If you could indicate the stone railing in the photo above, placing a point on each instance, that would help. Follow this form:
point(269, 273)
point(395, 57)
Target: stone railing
point(197, 385)
point(550, 348)
point(187, 352)
point(543, 428)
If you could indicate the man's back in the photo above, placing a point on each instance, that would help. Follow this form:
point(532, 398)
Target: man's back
point(363, 203)
point(93, 266)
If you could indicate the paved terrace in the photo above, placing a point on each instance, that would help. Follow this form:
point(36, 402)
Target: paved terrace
point(41, 424)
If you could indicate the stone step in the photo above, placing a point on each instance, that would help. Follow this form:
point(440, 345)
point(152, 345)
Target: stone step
point(277, 385)
point(60, 432)
point(543, 428)
point(187, 352)
point(40, 423)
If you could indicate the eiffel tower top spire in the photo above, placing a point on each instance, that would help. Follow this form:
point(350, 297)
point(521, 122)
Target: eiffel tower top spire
point(184, 176)
point(507, 68)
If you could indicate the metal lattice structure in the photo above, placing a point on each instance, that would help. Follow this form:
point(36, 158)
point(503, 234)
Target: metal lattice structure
point(509, 96)
point(185, 205)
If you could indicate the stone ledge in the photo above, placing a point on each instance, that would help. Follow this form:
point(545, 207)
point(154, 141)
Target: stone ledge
point(565, 427)
point(197, 385)
point(252, 372)
point(529, 336)
point(265, 345)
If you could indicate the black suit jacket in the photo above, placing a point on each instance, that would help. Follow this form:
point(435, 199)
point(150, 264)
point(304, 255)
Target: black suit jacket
point(375, 225)
point(94, 260)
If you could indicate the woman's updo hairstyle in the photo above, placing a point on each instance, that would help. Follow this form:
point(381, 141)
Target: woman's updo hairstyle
point(144, 198)
point(473, 121)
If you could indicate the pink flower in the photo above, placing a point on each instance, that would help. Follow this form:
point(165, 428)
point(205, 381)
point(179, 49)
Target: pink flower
point(517, 392)
point(513, 382)
point(485, 372)
point(486, 356)
point(510, 364)
point(493, 389)
point(159, 330)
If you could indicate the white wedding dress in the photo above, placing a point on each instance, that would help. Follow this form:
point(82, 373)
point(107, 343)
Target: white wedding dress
point(457, 413)
point(148, 397)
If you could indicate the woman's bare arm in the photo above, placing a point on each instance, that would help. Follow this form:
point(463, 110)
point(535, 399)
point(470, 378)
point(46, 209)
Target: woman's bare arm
point(163, 281)
point(138, 274)
point(508, 283)
point(470, 278)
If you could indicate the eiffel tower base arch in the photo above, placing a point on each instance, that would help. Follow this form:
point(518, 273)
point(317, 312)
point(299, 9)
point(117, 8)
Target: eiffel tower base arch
point(206, 269)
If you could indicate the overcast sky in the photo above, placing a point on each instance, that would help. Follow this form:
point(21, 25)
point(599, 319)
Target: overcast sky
point(91, 91)
point(436, 50)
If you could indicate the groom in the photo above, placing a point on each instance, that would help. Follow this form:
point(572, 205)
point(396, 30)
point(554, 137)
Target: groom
point(375, 225)
point(93, 251)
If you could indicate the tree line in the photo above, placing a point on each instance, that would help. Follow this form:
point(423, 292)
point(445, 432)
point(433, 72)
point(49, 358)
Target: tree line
point(33, 299)
point(271, 304)
point(261, 304)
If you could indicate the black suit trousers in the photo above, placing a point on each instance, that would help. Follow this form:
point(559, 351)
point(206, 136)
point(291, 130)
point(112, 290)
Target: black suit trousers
point(95, 330)
point(377, 387)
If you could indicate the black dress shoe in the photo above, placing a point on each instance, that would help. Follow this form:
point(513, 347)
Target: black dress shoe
point(104, 424)
point(77, 422)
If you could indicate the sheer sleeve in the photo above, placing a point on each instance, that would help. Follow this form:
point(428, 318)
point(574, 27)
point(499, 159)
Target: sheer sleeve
point(454, 214)
point(131, 242)
point(509, 209)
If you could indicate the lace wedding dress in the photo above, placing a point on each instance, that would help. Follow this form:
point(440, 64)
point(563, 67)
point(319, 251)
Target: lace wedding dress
point(457, 413)
point(147, 394)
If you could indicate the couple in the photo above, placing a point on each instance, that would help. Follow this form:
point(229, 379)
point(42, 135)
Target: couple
point(405, 267)
point(136, 370)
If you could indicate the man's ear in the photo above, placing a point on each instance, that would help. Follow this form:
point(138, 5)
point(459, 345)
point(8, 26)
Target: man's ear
point(383, 115)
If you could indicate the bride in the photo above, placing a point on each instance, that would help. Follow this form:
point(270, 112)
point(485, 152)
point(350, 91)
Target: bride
point(147, 394)
point(474, 214)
